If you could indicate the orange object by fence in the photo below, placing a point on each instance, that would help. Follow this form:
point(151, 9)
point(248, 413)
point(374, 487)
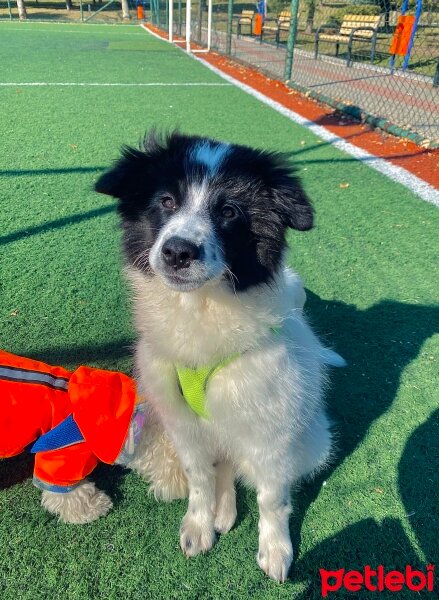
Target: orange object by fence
point(257, 27)
point(401, 37)
point(140, 12)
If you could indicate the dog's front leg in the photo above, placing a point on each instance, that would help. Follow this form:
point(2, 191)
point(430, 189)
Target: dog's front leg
point(275, 549)
point(197, 532)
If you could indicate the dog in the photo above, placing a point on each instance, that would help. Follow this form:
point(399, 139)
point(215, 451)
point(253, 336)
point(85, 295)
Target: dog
point(234, 374)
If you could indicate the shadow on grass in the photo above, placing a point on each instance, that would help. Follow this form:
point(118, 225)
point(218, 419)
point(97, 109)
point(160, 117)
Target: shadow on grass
point(108, 478)
point(378, 343)
point(419, 484)
point(335, 118)
point(15, 470)
point(57, 224)
point(99, 356)
point(60, 171)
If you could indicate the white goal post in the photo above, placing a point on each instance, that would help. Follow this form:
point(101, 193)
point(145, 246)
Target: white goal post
point(188, 27)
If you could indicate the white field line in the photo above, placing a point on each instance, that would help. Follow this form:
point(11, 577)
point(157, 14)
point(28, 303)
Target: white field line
point(92, 84)
point(415, 184)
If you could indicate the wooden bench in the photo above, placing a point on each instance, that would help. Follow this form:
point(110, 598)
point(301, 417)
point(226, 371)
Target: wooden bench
point(353, 28)
point(245, 18)
point(282, 23)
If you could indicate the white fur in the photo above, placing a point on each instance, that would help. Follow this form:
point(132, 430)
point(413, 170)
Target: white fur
point(84, 504)
point(266, 418)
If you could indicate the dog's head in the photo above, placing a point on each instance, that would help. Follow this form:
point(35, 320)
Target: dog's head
point(195, 210)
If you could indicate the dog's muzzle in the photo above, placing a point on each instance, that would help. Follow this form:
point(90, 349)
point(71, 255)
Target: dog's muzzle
point(179, 253)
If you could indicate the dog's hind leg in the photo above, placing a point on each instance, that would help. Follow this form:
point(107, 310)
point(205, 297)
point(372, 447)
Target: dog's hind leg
point(84, 504)
point(156, 461)
point(225, 513)
point(315, 449)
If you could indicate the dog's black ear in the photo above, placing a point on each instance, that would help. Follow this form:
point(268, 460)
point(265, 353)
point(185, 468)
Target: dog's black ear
point(125, 173)
point(294, 206)
point(290, 199)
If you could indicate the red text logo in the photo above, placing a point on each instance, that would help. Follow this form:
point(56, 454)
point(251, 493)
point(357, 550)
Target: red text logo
point(377, 580)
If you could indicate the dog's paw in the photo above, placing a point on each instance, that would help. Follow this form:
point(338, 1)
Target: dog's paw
point(225, 513)
point(196, 536)
point(275, 558)
point(82, 505)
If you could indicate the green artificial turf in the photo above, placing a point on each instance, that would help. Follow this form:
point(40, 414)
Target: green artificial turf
point(369, 267)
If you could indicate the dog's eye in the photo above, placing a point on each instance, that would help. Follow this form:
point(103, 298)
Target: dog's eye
point(169, 202)
point(228, 212)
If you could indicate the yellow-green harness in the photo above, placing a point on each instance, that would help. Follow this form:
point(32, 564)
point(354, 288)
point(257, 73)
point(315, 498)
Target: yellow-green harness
point(193, 384)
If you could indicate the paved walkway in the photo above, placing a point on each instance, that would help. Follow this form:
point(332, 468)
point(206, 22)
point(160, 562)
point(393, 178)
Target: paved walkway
point(408, 100)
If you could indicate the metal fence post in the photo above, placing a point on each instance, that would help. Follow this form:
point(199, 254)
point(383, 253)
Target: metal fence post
point(153, 13)
point(229, 27)
point(200, 20)
point(188, 26)
point(180, 16)
point(294, 9)
point(171, 21)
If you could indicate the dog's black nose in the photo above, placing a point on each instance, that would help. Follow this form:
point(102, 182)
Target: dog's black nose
point(179, 253)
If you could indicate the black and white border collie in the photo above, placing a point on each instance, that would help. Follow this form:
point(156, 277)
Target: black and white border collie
point(204, 226)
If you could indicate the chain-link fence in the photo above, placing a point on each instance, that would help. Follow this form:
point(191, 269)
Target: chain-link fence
point(339, 52)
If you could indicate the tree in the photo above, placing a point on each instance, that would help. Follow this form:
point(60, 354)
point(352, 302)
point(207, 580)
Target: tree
point(385, 7)
point(311, 10)
point(22, 14)
point(125, 10)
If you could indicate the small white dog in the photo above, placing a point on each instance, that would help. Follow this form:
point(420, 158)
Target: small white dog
point(234, 373)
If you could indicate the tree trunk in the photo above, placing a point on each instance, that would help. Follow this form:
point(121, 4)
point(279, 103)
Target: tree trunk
point(69, 4)
point(125, 10)
point(21, 10)
point(385, 6)
point(310, 16)
point(430, 13)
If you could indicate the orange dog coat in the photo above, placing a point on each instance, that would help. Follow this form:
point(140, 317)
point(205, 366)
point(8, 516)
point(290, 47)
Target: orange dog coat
point(74, 419)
